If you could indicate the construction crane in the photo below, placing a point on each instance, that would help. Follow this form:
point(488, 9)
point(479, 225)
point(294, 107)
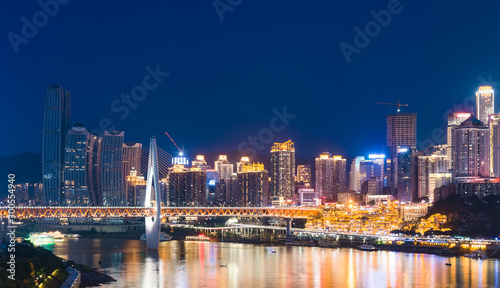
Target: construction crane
point(180, 150)
point(394, 104)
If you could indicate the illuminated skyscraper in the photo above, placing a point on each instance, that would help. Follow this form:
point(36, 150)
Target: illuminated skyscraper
point(494, 124)
point(454, 119)
point(339, 176)
point(186, 187)
point(200, 163)
point(223, 167)
point(136, 189)
point(244, 160)
point(304, 173)
point(485, 103)
point(324, 176)
point(253, 186)
point(433, 172)
point(354, 181)
point(403, 174)
point(56, 121)
point(283, 170)
point(472, 149)
point(132, 154)
point(79, 186)
point(401, 132)
point(112, 180)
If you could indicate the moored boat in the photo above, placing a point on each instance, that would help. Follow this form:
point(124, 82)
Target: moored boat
point(163, 237)
point(367, 248)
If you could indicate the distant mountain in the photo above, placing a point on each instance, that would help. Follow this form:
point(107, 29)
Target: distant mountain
point(26, 166)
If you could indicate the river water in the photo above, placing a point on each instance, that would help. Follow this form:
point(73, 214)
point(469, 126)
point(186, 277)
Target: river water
point(198, 264)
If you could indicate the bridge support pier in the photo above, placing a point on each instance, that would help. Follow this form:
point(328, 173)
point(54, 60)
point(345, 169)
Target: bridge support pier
point(289, 226)
point(153, 224)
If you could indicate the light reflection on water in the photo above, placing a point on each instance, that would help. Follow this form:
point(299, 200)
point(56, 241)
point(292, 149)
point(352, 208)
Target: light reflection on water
point(197, 264)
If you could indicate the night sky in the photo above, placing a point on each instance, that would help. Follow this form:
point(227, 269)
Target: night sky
point(226, 77)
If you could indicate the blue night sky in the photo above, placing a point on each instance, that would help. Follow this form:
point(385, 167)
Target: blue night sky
point(227, 76)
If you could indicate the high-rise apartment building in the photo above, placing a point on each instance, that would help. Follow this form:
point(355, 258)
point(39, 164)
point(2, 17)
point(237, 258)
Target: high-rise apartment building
point(494, 125)
point(354, 180)
point(79, 184)
point(324, 176)
point(131, 157)
point(401, 132)
point(112, 180)
point(304, 173)
point(56, 121)
point(433, 172)
point(485, 103)
point(283, 170)
point(253, 186)
point(454, 120)
point(339, 176)
point(243, 161)
point(135, 185)
point(186, 187)
point(223, 167)
point(472, 149)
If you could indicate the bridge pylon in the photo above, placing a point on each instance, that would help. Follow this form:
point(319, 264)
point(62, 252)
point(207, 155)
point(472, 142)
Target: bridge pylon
point(153, 223)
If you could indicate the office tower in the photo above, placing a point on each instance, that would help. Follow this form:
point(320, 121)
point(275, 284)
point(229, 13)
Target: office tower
point(223, 167)
point(96, 171)
point(373, 168)
point(131, 157)
point(485, 103)
point(454, 120)
point(253, 186)
point(472, 149)
point(324, 176)
point(494, 125)
point(211, 185)
point(38, 196)
point(135, 185)
point(244, 160)
point(339, 176)
point(304, 173)
point(56, 121)
point(402, 170)
point(112, 186)
point(354, 181)
point(79, 167)
point(401, 132)
point(433, 172)
point(186, 187)
point(283, 171)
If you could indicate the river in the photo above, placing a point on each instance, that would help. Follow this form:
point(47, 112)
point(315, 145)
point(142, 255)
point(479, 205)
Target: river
point(198, 264)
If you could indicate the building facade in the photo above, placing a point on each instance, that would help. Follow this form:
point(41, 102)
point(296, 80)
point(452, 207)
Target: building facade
point(56, 121)
point(472, 149)
point(112, 180)
point(485, 103)
point(283, 170)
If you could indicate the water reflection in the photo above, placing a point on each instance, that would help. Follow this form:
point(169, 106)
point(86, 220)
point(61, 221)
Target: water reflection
point(198, 264)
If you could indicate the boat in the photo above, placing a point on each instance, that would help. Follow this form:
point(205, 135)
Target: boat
point(163, 237)
point(447, 264)
point(367, 248)
point(221, 265)
point(477, 255)
point(200, 237)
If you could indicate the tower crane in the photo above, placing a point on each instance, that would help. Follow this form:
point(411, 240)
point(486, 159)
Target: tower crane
point(394, 104)
point(180, 150)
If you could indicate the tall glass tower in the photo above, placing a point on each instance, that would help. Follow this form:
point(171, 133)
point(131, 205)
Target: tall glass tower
point(485, 102)
point(282, 171)
point(112, 180)
point(56, 121)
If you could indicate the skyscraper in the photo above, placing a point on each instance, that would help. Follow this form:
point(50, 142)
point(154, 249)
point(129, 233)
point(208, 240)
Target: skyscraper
point(244, 160)
point(401, 132)
point(131, 157)
point(494, 124)
point(433, 172)
point(283, 170)
point(136, 189)
point(56, 121)
point(402, 170)
point(304, 173)
point(112, 180)
point(223, 167)
point(354, 184)
point(485, 103)
point(454, 119)
point(339, 176)
point(324, 176)
point(472, 149)
point(78, 167)
point(253, 186)
point(186, 187)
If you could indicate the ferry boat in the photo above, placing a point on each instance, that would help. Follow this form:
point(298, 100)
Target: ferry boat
point(163, 237)
point(477, 255)
point(367, 248)
point(41, 238)
point(200, 237)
